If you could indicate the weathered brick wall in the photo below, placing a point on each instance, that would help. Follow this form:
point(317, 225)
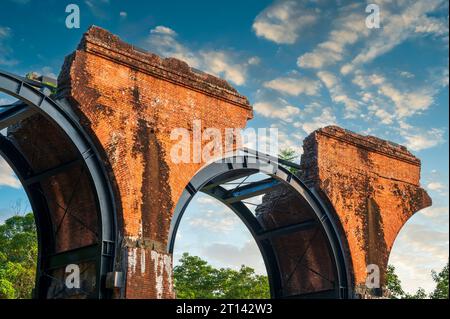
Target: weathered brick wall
point(373, 186)
point(130, 101)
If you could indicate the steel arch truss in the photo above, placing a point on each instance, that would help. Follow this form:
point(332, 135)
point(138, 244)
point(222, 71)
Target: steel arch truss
point(61, 221)
point(299, 242)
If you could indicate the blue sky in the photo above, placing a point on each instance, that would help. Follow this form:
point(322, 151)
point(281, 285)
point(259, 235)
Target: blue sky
point(303, 65)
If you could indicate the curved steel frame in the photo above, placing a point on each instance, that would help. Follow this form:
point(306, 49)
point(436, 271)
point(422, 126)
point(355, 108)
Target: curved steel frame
point(34, 101)
point(209, 179)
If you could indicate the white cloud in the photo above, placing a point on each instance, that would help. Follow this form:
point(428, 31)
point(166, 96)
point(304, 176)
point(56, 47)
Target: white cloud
point(349, 28)
point(386, 117)
point(221, 64)
point(290, 140)
point(421, 247)
point(98, 8)
point(218, 218)
point(206, 200)
point(324, 119)
point(390, 103)
point(430, 25)
point(436, 186)
point(254, 60)
point(160, 29)
point(436, 215)
point(223, 225)
point(418, 139)
point(407, 103)
point(7, 176)
point(4, 32)
point(407, 74)
point(283, 21)
point(400, 21)
point(163, 40)
point(294, 86)
point(285, 113)
point(234, 256)
point(338, 94)
point(5, 50)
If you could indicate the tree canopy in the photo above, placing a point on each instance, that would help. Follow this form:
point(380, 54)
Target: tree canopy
point(196, 279)
point(18, 257)
point(441, 280)
point(393, 284)
point(288, 154)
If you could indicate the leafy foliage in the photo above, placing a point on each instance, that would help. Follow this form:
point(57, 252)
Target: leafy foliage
point(441, 280)
point(393, 284)
point(419, 294)
point(290, 155)
point(196, 279)
point(18, 257)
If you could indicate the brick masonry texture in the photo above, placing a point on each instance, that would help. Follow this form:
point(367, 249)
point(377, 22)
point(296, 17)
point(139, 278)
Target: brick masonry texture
point(372, 186)
point(130, 101)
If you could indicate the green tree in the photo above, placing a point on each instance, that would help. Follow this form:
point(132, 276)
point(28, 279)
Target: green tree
point(441, 280)
point(18, 257)
point(419, 294)
point(393, 283)
point(288, 154)
point(196, 279)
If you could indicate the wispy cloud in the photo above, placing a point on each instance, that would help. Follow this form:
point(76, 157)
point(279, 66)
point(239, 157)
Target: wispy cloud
point(5, 49)
point(216, 218)
point(349, 28)
point(7, 176)
point(417, 139)
point(338, 94)
point(99, 8)
point(234, 256)
point(436, 186)
point(401, 21)
point(420, 248)
point(325, 118)
point(283, 21)
point(294, 86)
point(286, 113)
point(163, 40)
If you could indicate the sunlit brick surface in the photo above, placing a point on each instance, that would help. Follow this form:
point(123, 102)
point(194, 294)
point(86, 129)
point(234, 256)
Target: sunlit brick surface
point(130, 101)
point(373, 186)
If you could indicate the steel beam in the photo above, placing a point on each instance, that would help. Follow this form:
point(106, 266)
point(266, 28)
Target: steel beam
point(272, 158)
point(251, 190)
point(222, 180)
point(60, 113)
point(322, 294)
point(75, 256)
point(218, 174)
point(13, 114)
point(51, 172)
point(287, 230)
